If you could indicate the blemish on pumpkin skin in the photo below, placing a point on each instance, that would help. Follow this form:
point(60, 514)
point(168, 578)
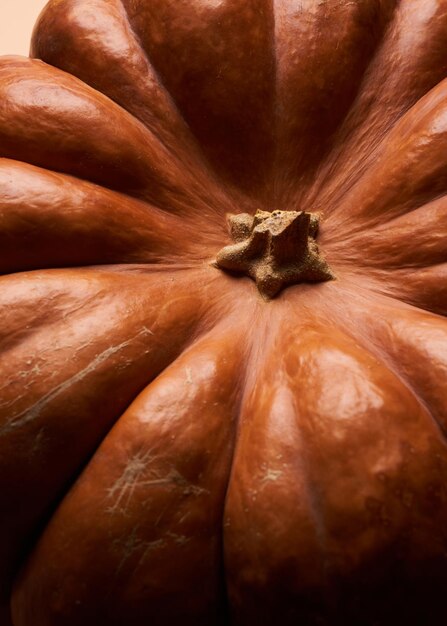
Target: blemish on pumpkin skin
point(125, 486)
point(151, 546)
point(188, 376)
point(272, 475)
point(132, 545)
point(178, 539)
point(406, 497)
point(139, 474)
point(19, 381)
point(127, 547)
point(38, 447)
point(377, 512)
point(182, 519)
point(34, 411)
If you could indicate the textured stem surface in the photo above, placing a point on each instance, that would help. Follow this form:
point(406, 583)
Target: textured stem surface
point(275, 249)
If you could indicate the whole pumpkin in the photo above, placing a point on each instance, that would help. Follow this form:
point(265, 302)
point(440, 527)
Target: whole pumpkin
point(205, 426)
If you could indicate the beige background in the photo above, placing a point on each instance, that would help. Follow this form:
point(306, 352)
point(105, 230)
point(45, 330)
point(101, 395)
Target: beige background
point(17, 18)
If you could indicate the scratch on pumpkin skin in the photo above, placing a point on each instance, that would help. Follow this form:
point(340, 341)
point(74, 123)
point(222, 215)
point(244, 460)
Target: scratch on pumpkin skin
point(125, 486)
point(127, 547)
point(180, 540)
point(138, 473)
point(34, 411)
point(150, 547)
point(182, 519)
point(132, 544)
point(272, 475)
point(24, 374)
point(188, 376)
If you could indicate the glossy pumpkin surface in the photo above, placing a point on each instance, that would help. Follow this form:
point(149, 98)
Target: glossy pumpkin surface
point(175, 449)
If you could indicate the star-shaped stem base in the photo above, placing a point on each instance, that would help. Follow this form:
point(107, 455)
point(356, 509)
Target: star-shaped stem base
point(275, 249)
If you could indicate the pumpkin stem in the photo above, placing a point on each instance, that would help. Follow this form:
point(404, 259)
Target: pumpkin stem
point(275, 249)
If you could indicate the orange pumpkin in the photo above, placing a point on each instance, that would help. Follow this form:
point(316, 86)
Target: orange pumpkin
point(224, 345)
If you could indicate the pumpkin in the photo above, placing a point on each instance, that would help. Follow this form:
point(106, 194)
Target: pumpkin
point(224, 289)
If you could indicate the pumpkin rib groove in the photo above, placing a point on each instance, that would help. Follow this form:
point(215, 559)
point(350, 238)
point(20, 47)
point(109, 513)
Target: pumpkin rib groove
point(237, 413)
point(275, 112)
point(418, 177)
point(195, 144)
point(213, 112)
point(329, 160)
point(158, 77)
point(144, 169)
point(246, 361)
point(442, 195)
point(314, 499)
point(204, 162)
point(420, 81)
point(146, 54)
point(40, 48)
point(379, 351)
point(426, 224)
point(351, 235)
point(393, 367)
point(429, 355)
point(379, 282)
point(357, 289)
point(341, 134)
point(434, 290)
point(60, 225)
point(262, 560)
point(248, 382)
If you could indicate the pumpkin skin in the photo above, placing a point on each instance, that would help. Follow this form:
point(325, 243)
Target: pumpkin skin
point(173, 448)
